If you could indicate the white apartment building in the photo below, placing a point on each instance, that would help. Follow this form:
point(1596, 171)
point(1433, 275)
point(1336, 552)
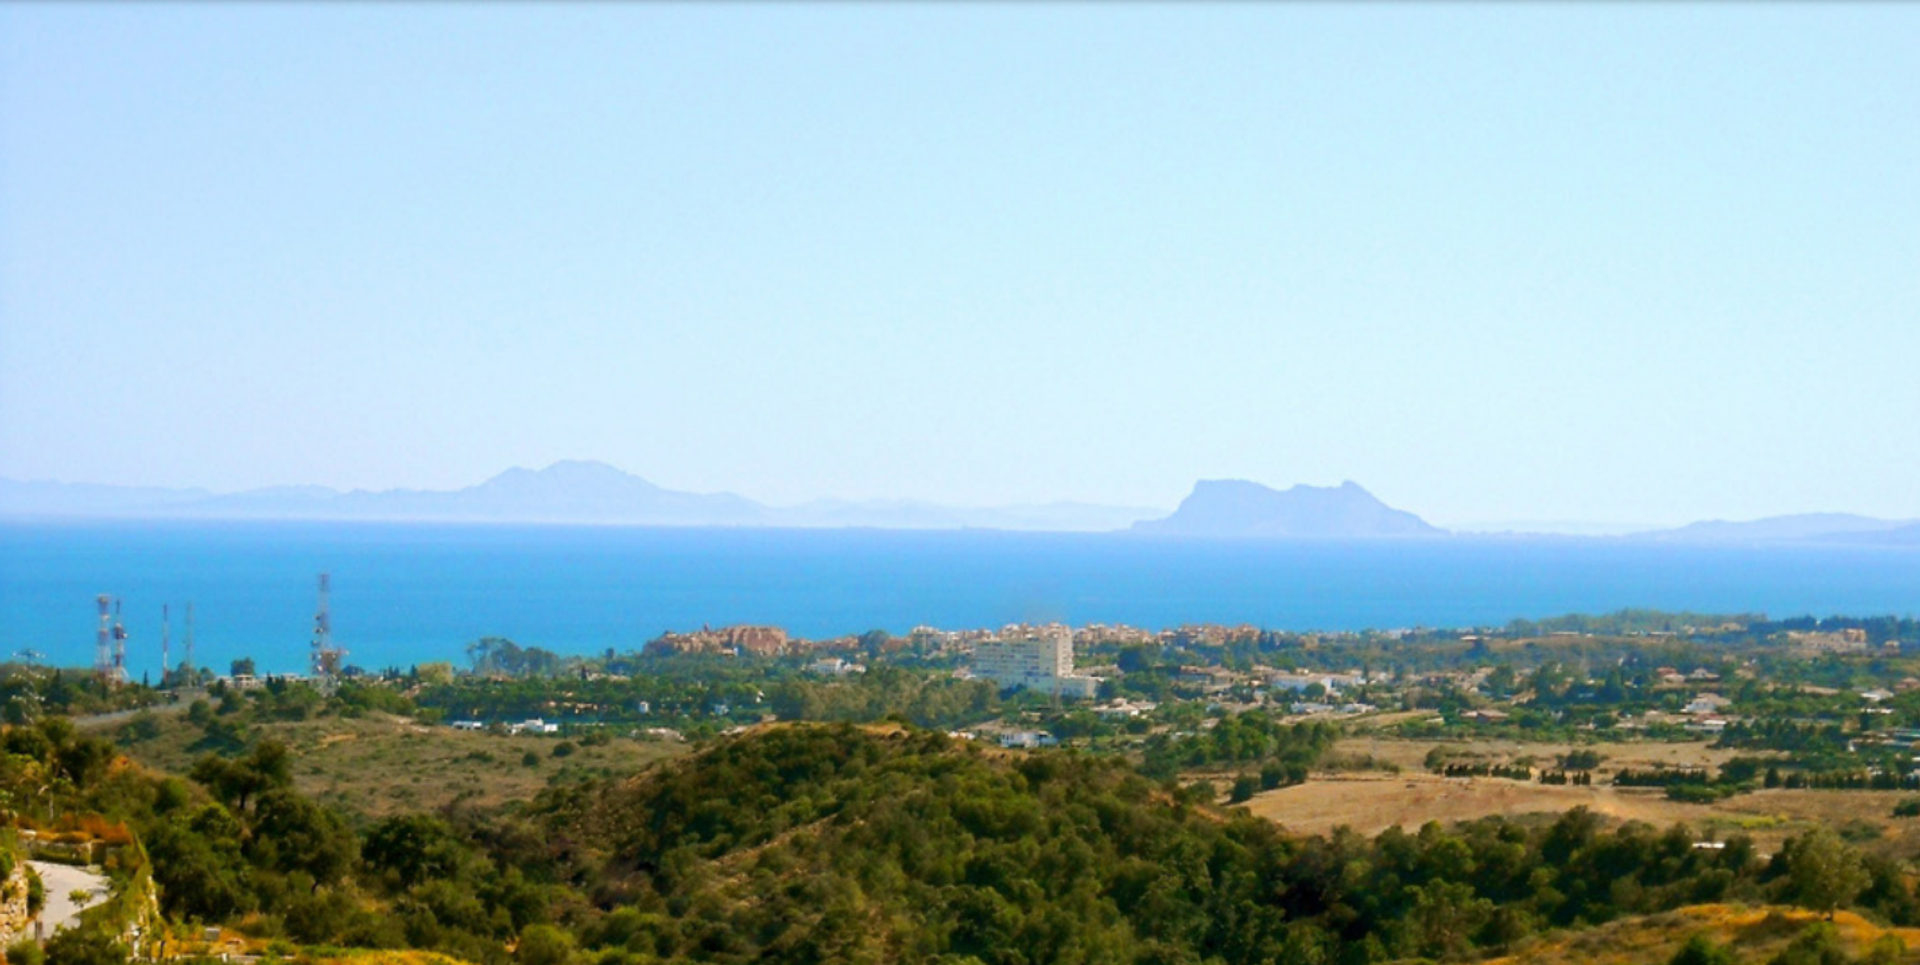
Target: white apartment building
point(1039, 660)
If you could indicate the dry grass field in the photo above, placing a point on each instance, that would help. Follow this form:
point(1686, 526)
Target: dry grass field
point(379, 765)
point(1372, 801)
point(1412, 754)
point(1756, 935)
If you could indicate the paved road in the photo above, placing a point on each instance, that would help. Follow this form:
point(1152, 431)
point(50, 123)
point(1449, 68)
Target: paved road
point(61, 881)
point(97, 721)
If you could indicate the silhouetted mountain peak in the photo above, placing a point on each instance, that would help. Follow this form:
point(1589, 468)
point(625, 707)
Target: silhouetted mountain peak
point(574, 477)
point(1238, 507)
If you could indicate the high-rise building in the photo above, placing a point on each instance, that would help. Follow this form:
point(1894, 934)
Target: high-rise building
point(1039, 659)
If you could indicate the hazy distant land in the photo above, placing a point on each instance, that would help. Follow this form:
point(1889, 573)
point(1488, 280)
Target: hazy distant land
point(585, 492)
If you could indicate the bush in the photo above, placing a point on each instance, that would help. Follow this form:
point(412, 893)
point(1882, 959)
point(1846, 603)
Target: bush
point(564, 749)
point(530, 759)
point(1584, 759)
point(1699, 793)
point(1701, 950)
point(25, 952)
point(1888, 949)
point(1818, 945)
point(84, 946)
point(1909, 808)
point(544, 945)
point(1244, 788)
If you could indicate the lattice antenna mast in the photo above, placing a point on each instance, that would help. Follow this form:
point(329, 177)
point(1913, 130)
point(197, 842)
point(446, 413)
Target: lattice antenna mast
point(326, 657)
point(119, 645)
point(102, 645)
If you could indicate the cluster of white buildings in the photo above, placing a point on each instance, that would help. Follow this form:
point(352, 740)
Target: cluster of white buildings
point(1039, 659)
point(532, 726)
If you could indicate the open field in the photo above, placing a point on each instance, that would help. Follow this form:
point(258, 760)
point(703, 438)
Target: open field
point(1755, 933)
point(379, 764)
point(1412, 754)
point(1372, 801)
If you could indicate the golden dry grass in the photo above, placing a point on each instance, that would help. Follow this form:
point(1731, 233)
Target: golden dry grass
point(1756, 934)
point(380, 765)
point(1412, 754)
point(1372, 801)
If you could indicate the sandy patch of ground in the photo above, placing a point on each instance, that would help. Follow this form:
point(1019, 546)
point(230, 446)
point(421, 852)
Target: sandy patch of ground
point(1371, 802)
point(1412, 754)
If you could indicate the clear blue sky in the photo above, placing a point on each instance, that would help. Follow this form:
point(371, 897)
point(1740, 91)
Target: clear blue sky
point(1633, 263)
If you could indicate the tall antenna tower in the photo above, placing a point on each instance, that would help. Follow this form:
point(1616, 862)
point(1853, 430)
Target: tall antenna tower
point(119, 645)
point(166, 644)
point(326, 656)
point(102, 648)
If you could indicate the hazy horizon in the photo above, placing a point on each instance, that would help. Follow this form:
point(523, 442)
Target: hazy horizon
point(1619, 266)
point(1564, 527)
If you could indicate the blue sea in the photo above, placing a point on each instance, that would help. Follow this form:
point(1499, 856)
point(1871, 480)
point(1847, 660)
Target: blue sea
point(407, 593)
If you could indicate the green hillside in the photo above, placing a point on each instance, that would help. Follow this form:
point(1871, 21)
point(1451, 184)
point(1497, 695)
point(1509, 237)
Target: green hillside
point(836, 843)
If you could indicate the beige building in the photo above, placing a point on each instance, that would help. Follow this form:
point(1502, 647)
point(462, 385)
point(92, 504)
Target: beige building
point(1039, 659)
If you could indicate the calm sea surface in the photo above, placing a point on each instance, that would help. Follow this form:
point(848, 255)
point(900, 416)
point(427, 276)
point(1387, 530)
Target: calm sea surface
point(409, 593)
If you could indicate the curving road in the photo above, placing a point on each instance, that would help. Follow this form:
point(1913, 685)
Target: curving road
point(61, 881)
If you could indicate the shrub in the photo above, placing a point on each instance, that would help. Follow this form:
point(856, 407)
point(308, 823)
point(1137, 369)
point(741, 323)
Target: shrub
point(25, 952)
point(84, 946)
point(1701, 950)
point(1818, 945)
point(544, 945)
point(1244, 788)
point(1699, 793)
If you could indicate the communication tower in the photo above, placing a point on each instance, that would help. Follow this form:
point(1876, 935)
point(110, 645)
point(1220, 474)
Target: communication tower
point(187, 664)
point(119, 645)
point(102, 646)
point(327, 658)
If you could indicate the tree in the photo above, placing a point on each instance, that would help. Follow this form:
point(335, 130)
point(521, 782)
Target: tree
point(198, 865)
point(437, 673)
point(1701, 950)
point(25, 952)
point(1818, 945)
point(84, 946)
point(414, 848)
point(235, 782)
point(242, 667)
point(292, 833)
point(1444, 917)
point(1823, 872)
point(1245, 787)
point(544, 945)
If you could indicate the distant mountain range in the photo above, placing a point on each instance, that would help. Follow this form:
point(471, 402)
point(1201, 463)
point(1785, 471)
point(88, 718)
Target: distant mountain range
point(593, 492)
point(565, 492)
point(1841, 527)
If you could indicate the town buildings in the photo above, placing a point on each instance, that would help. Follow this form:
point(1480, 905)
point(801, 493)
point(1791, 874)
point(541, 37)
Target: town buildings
point(1037, 658)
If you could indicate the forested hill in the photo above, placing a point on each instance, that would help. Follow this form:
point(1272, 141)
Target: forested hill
point(837, 843)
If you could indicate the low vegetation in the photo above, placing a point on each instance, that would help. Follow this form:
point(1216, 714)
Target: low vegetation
point(1527, 794)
